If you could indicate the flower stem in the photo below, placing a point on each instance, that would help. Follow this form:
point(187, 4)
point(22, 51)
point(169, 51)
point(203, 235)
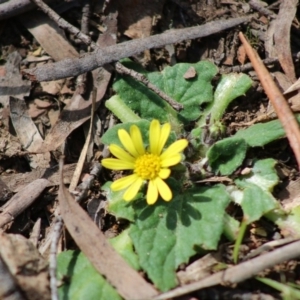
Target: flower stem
point(117, 106)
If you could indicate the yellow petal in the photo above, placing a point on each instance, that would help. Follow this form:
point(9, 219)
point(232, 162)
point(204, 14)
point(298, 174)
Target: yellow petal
point(117, 164)
point(164, 134)
point(154, 136)
point(174, 148)
point(137, 139)
point(131, 192)
point(163, 189)
point(121, 153)
point(164, 173)
point(123, 182)
point(170, 161)
point(152, 193)
point(127, 142)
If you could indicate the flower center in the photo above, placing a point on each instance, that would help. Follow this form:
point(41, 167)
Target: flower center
point(147, 166)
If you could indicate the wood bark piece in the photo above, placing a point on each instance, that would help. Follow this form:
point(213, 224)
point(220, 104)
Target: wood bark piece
point(240, 272)
point(278, 101)
point(18, 181)
point(287, 12)
point(97, 249)
point(19, 202)
point(74, 67)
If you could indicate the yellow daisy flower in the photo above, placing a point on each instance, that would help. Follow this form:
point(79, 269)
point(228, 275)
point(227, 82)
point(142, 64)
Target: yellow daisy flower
point(150, 164)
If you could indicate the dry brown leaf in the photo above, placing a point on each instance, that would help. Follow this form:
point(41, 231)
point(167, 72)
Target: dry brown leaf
point(52, 87)
point(295, 86)
point(78, 110)
point(98, 250)
point(49, 35)
point(290, 196)
point(27, 266)
point(269, 40)
point(11, 82)
point(282, 80)
point(28, 133)
point(190, 73)
point(9, 144)
point(136, 19)
point(284, 21)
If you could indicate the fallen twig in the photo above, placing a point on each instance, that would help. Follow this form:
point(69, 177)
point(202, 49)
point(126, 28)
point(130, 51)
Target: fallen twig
point(100, 57)
point(240, 272)
point(13, 8)
point(247, 67)
point(119, 67)
point(52, 258)
point(141, 78)
point(19, 202)
point(257, 5)
point(278, 101)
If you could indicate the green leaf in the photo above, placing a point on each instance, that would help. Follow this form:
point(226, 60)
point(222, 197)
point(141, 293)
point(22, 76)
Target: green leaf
point(123, 245)
point(256, 199)
point(231, 227)
point(229, 88)
point(111, 135)
point(227, 155)
point(261, 134)
point(84, 282)
point(165, 234)
point(116, 205)
point(264, 174)
point(288, 222)
point(190, 92)
point(288, 291)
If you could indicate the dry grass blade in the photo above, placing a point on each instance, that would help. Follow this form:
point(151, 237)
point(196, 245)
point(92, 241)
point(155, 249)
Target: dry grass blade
point(84, 150)
point(278, 101)
point(94, 245)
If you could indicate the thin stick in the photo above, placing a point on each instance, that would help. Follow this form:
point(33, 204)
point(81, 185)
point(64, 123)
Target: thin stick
point(73, 67)
point(248, 66)
point(119, 67)
point(52, 258)
point(282, 109)
point(140, 77)
point(240, 272)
